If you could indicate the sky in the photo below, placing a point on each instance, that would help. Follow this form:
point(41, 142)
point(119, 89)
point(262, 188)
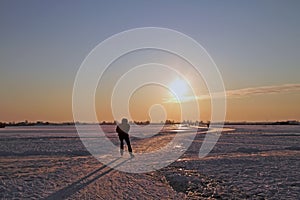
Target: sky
point(255, 45)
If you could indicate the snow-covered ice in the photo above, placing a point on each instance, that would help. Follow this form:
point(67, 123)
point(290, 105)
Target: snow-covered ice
point(249, 162)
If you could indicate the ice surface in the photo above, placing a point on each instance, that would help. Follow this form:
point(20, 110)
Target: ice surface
point(252, 162)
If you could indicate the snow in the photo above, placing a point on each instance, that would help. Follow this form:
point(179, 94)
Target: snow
point(248, 162)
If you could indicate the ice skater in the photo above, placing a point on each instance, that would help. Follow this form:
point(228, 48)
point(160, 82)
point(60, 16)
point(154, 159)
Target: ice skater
point(122, 130)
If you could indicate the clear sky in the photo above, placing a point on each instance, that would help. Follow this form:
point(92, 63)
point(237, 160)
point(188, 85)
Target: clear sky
point(255, 44)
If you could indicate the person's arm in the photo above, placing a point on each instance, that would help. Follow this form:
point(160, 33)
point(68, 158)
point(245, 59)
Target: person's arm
point(128, 128)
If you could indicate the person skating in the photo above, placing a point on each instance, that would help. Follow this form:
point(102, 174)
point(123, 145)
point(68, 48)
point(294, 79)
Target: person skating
point(123, 130)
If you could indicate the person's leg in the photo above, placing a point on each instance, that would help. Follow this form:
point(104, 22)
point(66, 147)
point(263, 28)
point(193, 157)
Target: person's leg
point(128, 144)
point(121, 145)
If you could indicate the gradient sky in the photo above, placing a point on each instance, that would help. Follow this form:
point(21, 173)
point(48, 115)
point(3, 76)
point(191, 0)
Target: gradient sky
point(255, 44)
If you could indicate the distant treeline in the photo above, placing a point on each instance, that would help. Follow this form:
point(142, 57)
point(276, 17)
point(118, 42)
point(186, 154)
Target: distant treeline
point(291, 122)
point(37, 123)
point(168, 122)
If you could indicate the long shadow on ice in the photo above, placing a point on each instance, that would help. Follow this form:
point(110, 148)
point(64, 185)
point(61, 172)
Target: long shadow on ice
point(83, 182)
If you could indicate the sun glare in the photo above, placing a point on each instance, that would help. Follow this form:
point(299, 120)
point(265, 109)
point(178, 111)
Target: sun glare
point(179, 87)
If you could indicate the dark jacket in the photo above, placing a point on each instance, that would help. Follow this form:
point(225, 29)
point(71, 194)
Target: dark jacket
point(122, 130)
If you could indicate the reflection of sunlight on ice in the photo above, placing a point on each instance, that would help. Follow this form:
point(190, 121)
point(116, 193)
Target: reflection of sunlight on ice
point(178, 146)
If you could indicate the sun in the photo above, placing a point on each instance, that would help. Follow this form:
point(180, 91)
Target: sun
point(179, 87)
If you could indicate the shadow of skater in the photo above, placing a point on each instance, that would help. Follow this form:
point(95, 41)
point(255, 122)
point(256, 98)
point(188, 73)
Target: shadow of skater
point(122, 130)
point(83, 182)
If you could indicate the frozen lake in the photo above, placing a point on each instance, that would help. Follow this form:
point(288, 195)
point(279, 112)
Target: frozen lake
point(252, 162)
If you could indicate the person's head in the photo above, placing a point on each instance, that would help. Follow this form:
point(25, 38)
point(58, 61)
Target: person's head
point(124, 121)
